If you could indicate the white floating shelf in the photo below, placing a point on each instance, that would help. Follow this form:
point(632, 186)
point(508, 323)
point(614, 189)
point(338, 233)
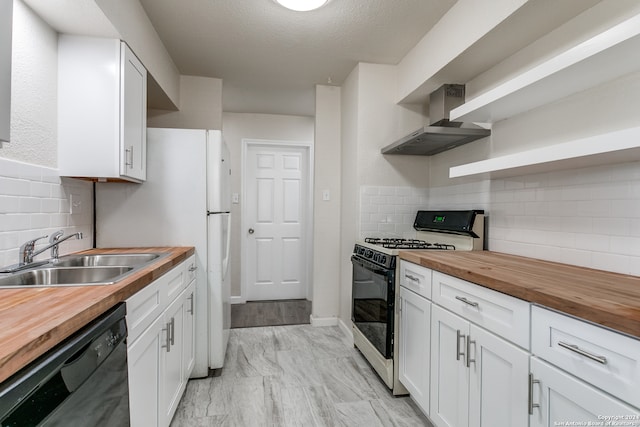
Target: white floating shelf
point(605, 57)
point(614, 147)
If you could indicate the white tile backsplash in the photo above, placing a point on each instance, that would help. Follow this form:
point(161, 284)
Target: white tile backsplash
point(583, 217)
point(388, 211)
point(34, 201)
point(588, 217)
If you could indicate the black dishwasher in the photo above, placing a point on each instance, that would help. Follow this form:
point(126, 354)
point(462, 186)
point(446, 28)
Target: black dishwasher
point(81, 382)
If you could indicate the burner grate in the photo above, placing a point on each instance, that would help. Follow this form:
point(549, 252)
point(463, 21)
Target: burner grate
point(395, 243)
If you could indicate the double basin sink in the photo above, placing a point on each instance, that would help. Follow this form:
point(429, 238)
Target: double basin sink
point(76, 270)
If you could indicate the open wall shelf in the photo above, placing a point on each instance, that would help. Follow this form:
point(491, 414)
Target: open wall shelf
point(613, 147)
point(604, 57)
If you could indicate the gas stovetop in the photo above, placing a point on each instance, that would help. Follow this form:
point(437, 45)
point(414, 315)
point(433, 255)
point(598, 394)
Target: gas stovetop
point(436, 230)
point(395, 243)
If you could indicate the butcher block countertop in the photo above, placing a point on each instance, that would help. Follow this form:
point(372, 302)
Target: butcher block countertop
point(608, 299)
point(32, 321)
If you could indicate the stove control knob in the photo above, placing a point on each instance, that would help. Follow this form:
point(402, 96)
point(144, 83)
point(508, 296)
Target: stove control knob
point(383, 259)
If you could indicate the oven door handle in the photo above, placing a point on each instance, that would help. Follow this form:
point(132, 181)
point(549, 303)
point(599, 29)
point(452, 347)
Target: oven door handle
point(369, 266)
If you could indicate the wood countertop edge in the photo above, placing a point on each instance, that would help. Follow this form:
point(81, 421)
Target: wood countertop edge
point(602, 312)
point(25, 349)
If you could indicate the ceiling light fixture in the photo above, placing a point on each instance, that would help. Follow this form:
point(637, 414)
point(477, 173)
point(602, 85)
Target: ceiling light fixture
point(302, 5)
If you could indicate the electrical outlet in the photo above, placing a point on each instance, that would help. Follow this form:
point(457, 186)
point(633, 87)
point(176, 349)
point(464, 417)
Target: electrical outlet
point(75, 204)
point(235, 198)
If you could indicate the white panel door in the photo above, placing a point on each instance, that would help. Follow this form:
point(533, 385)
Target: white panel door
point(449, 405)
point(415, 342)
point(499, 374)
point(276, 218)
point(561, 399)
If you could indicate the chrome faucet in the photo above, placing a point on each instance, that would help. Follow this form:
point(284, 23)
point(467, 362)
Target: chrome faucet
point(55, 249)
point(28, 252)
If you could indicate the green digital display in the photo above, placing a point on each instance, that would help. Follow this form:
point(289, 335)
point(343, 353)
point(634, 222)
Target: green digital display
point(438, 218)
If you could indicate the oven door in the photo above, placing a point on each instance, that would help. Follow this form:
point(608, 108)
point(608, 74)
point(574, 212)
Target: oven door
point(373, 303)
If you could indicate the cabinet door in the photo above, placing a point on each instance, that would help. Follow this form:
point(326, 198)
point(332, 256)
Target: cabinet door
point(173, 380)
point(6, 14)
point(133, 116)
point(414, 341)
point(449, 405)
point(562, 398)
point(189, 353)
point(145, 370)
point(498, 382)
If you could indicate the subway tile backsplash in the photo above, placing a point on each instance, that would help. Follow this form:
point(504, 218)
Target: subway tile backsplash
point(35, 201)
point(587, 217)
point(390, 211)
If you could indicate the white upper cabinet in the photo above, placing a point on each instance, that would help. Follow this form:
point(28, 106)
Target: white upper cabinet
point(102, 121)
point(6, 18)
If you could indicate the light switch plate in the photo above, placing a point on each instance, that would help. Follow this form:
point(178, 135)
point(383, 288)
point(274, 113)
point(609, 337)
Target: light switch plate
point(326, 195)
point(235, 198)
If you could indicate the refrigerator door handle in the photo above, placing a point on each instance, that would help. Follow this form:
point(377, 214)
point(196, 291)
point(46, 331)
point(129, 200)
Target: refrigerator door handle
point(225, 260)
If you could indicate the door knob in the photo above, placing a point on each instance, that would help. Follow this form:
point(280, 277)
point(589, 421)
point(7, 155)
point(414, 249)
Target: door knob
point(251, 231)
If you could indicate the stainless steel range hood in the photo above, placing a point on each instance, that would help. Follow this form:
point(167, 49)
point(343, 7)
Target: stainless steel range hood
point(441, 134)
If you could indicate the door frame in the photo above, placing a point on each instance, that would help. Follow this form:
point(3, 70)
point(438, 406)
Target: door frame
point(308, 230)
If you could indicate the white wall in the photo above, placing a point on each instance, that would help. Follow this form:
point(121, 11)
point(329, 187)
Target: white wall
point(134, 26)
point(34, 200)
point(237, 126)
point(326, 230)
point(34, 82)
point(200, 106)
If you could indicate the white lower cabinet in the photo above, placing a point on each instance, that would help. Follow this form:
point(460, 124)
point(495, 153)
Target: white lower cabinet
point(415, 341)
point(161, 357)
point(449, 374)
point(558, 398)
point(477, 378)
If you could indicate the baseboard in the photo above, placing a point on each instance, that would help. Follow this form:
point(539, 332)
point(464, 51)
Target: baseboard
point(323, 321)
point(237, 300)
point(346, 330)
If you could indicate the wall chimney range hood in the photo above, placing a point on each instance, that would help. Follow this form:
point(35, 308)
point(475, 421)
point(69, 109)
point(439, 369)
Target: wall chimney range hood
point(442, 134)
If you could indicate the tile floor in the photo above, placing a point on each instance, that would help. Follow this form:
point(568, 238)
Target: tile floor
point(293, 376)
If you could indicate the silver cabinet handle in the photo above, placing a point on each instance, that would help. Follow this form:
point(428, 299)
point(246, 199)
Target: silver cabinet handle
point(190, 310)
point(466, 301)
point(581, 352)
point(167, 330)
point(173, 330)
point(251, 231)
point(193, 267)
point(469, 359)
point(129, 152)
point(458, 346)
point(531, 404)
point(412, 278)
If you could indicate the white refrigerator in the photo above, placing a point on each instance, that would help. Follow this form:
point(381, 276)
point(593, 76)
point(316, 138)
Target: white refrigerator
point(185, 201)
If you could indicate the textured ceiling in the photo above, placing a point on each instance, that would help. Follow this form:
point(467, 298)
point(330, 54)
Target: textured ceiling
point(271, 58)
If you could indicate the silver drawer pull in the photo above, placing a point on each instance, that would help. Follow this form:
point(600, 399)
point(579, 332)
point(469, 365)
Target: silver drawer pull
point(466, 301)
point(581, 352)
point(192, 267)
point(167, 330)
point(412, 278)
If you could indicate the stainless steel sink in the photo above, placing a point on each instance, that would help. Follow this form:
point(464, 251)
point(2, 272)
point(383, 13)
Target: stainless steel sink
point(65, 276)
point(128, 260)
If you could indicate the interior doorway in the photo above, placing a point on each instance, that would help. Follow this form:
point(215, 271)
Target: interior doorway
point(276, 220)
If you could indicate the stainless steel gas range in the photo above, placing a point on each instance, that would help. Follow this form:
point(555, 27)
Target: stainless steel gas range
point(374, 283)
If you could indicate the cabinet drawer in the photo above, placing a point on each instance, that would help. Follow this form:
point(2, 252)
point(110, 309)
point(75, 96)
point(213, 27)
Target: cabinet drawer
point(147, 304)
point(506, 316)
point(599, 356)
point(416, 278)
point(191, 268)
